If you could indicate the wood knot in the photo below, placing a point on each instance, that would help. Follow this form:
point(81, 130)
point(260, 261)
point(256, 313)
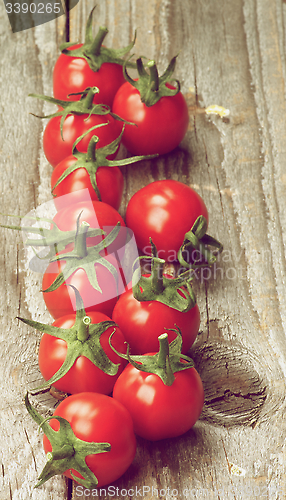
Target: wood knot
point(234, 390)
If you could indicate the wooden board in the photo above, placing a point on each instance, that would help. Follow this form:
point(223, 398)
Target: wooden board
point(231, 54)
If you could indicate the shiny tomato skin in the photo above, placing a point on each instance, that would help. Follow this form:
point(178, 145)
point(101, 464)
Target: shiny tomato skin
point(160, 411)
point(101, 419)
point(57, 148)
point(61, 301)
point(159, 128)
point(142, 322)
point(73, 74)
point(78, 187)
point(83, 376)
point(165, 211)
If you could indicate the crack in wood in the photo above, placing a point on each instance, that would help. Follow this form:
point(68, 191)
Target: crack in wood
point(207, 309)
point(197, 99)
point(235, 391)
point(228, 393)
point(32, 451)
point(228, 466)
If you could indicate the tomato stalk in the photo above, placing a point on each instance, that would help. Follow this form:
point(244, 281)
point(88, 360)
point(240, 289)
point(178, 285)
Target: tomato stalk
point(154, 75)
point(164, 359)
point(84, 257)
point(95, 158)
point(93, 51)
point(84, 106)
point(83, 329)
point(68, 451)
point(90, 155)
point(65, 451)
point(196, 240)
point(176, 293)
point(157, 278)
point(82, 339)
point(167, 361)
point(95, 46)
point(80, 246)
point(151, 86)
point(87, 97)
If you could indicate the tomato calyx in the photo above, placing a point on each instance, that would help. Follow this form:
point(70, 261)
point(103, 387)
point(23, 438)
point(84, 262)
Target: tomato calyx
point(84, 106)
point(93, 51)
point(68, 451)
point(95, 158)
point(167, 361)
point(84, 257)
point(151, 86)
point(55, 238)
point(82, 339)
point(195, 243)
point(176, 293)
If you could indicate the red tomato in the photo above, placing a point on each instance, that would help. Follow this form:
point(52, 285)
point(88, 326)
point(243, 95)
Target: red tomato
point(160, 411)
point(61, 301)
point(164, 211)
point(78, 187)
point(142, 322)
point(73, 74)
point(160, 128)
point(83, 376)
point(101, 419)
point(56, 148)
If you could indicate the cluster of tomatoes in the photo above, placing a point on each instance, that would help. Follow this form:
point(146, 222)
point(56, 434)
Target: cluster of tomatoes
point(118, 349)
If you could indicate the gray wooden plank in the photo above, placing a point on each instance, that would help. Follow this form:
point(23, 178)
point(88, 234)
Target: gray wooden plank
point(236, 167)
point(232, 55)
point(26, 65)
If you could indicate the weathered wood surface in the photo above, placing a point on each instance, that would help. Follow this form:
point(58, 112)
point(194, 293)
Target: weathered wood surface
point(231, 54)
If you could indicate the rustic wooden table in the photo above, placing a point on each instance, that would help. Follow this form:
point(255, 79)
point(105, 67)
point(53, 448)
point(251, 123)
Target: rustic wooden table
point(231, 53)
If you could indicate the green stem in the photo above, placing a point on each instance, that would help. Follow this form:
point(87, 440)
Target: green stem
point(157, 275)
point(197, 240)
point(97, 42)
point(164, 350)
point(149, 84)
point(154, 76)
point(66, 451)
point(83, 330)
point(87, 101)
point(80, 240)
point(210, 258)
point(91, 150)
point(163, 358)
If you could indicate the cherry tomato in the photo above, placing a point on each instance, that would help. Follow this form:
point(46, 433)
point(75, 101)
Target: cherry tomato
point(73, 74)
point(100, 419)
point(83, 376)
point(57, 148)
point(164, 211)
point(142, 322)
point(77, 185)
point(159, 128)
point(160, 411)
point(61, 301)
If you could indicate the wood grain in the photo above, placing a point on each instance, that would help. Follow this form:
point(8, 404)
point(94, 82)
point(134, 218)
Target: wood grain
point(231, 54)
point(26, 65)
